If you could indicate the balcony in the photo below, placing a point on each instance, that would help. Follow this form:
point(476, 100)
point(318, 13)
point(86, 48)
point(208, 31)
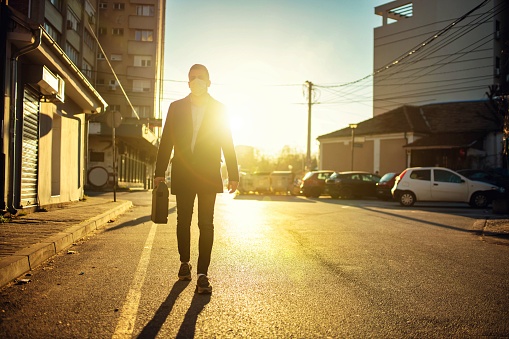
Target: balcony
point(134, 72)
point(141, 47)
point(142, 22)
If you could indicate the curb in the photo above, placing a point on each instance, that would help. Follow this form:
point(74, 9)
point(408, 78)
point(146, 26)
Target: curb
point(27, 259)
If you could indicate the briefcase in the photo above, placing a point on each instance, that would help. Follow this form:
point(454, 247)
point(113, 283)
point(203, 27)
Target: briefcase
point(160, 204)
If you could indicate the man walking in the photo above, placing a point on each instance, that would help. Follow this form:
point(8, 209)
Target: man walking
point(197, 130)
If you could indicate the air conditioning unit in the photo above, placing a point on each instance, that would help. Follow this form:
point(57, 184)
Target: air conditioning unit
point(51, 86)
point(60, 96)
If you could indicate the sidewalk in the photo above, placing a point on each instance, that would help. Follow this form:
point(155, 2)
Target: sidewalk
point(28, 240)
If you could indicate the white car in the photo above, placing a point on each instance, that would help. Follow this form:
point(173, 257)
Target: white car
point(441, 184)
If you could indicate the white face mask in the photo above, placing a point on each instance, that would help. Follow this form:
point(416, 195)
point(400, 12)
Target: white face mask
point(198, 86)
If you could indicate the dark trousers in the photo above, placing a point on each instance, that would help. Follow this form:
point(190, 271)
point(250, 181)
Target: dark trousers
point(185, 205)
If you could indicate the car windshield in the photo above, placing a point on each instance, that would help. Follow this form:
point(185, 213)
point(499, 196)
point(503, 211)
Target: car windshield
point(387, 177)
point(308, 175)
point(334, 176)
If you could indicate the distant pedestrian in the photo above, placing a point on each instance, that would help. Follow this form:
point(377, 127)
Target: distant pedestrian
point(197, 130)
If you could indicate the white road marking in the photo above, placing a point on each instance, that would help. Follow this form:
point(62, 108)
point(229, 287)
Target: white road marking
point(125, 326)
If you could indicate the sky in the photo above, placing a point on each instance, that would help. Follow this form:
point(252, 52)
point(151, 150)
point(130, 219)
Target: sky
point(260, 55)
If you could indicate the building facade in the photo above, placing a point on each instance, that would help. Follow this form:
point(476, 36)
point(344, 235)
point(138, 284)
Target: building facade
point(433, 51)
point(129, 77)
point(456, 135)
point(438, 68)
point(46, 67)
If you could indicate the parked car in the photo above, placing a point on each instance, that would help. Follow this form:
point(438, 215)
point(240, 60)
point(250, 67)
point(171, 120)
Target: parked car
point(384, 186)
point(281, 182)
point(313, 183)
point(441, 184)
point(352, 184)
point(257, 182)
point(498, 177)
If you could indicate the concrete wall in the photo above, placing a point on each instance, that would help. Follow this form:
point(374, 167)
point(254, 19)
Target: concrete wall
point(457, 66)
point(378, 153)
point(61, 156)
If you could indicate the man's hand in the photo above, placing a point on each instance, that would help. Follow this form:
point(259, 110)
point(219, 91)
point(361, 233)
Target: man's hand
point(232, 186)
point(157, 180)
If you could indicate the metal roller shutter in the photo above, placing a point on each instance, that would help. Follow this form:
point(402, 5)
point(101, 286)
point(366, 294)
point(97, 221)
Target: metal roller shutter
point(30, 148)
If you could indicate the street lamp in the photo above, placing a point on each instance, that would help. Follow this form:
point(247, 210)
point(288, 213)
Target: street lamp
point(352, 127)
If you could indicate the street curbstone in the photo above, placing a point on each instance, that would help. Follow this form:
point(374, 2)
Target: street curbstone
point(38, 253)
point(24, 260)
point(13, 267)
point(61, 240)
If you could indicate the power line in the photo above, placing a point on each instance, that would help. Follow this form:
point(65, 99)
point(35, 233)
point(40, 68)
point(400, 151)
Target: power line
point(113, 71)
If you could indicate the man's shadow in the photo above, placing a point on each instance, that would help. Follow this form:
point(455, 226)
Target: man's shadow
point(188, 327)
point(154, 325)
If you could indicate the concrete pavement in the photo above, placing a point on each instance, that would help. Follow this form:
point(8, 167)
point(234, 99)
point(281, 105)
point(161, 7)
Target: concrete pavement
point(28, 240)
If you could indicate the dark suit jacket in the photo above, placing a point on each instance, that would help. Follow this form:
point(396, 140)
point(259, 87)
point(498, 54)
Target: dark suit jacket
point(199, 170)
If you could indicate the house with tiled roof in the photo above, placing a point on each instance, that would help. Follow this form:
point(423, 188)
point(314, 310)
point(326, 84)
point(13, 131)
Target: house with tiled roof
point(455, 135)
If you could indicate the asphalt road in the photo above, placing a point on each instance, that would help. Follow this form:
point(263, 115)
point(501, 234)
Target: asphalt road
point(286, 267)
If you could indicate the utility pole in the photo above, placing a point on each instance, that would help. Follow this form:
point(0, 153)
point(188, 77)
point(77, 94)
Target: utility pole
point(308, 153)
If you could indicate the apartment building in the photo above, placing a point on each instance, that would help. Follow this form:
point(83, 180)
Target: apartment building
point(46, 71)
point(435, 51)
point(436, 65)
point(129, 77)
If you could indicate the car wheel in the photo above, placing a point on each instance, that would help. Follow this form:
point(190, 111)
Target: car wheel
point(407, 199)
point(479, 200)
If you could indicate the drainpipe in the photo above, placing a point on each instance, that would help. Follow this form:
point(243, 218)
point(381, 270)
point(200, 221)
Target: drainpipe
point(13, 179)
point(4, 18)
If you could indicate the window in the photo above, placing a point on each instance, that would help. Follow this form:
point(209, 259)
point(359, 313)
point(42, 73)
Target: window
point(116, 57)
point(446, 176)
point(142, 60)
point(100, 56)
point(52, 31)
point(72, 53)
point(100, 81)
point(88, 39)
point(144, 35)
point(73, 22)
point(103, 5)
point(145, 10)
point(102, 30)
point(87, 70)
point(421, 175)
point(142, 111)
point(97, 156)
point(112, 85)
point(55, 3)
point(114, 108)
point(90, 10)
point(117, 31)
point(119, 6)
point(141, 85)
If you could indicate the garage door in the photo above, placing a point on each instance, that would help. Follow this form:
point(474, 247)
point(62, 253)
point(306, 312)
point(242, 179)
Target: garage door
point(29, 148)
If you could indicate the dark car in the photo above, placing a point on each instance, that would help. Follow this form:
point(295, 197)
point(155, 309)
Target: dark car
point(384, 186)
point(313, 183)
point(352, 184)
point(498, 177)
